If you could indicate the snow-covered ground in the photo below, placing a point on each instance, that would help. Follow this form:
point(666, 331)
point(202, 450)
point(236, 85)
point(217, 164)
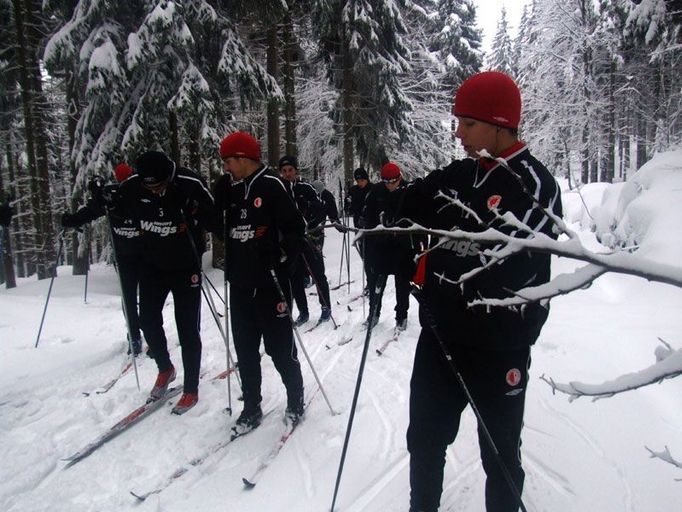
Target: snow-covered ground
point(578, 456)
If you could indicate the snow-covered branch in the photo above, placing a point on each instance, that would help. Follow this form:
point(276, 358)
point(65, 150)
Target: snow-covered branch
point(667, 366)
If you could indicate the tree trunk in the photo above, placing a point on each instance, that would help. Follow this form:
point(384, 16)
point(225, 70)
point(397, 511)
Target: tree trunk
point(584, 160)
point(36, 143)
point(289, 87)
point(347, 98)
point(79, 257)
point(610, 160)
point(194, 148)
point(273, 104)
point(6, 268)
point(175, 137)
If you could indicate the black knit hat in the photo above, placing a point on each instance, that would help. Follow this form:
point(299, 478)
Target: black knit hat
point(288, 160)
point(154, 167)
point(360, 174)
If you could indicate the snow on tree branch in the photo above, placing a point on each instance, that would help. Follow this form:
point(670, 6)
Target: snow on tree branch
point(667, 366)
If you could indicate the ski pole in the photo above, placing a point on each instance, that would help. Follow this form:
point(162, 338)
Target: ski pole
point(345, 233)
point(215, 314)
point(226, 230)
point(431, 321)
point(343, 254)
point(126, 313)
point(298, 336)
point(87, 266)
point(370, 326)
point(49, 290)
point(347, 252)
point(214, 289)
point(197, 257)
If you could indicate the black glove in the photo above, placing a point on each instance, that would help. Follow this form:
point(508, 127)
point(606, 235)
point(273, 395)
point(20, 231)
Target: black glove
point(69, 221)
point(6, 212)
point(96, 189)
point(110, 196)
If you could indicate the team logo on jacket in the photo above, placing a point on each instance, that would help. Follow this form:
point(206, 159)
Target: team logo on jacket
point(257, 202)
point(494, 202)
point(161, 228)
point(281, 308)
point(194, 279)
point(513, 377)
point(127, 232)
point(242, 233)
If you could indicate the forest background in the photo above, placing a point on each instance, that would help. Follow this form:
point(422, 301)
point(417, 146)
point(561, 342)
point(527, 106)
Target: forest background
point(85, 85)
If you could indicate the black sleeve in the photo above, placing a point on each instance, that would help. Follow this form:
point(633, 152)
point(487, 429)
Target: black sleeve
point(290, 225)
point(314, 210)
point(221, 194)
point(330, 205)
point(200, 203)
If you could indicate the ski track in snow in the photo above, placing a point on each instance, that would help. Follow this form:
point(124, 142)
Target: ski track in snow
point(594, 446)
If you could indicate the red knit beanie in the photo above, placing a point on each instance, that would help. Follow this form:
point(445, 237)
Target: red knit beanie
point(390, 171)
point(492, 97)
point(122, 172)
point(240, 145)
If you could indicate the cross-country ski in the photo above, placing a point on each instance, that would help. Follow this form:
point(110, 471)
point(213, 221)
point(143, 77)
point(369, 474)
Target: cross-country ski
point(121, 426)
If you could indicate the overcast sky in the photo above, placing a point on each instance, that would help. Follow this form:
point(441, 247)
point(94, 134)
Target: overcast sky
point(488, 15)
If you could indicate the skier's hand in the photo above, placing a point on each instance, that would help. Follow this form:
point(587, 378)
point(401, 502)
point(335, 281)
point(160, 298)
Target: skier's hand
point(110, 195)
point(96, 189)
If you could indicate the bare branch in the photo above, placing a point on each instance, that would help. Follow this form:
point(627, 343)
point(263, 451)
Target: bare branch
point(665, 456)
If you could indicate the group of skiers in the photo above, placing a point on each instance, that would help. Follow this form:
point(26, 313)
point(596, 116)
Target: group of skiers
point(273, 226)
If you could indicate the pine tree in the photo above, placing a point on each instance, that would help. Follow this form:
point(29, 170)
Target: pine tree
point(365, 51)
point(457, 41)
point(165, 75)
point(501, 57)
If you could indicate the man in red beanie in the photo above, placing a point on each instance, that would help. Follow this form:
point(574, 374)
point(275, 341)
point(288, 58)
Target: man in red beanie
point(387, 254)
point(477, 353)
point(264, 233)
point(126, 244)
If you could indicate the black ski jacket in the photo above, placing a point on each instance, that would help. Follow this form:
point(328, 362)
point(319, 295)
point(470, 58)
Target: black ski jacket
point(525, 192)
point(265, 230)
point(308, 202)
point(355, 202)
point(172, 224)
point(388, 253)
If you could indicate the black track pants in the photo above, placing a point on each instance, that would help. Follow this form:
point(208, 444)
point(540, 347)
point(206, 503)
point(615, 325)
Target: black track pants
point(185, 286)
point(256, 313)
point(497, 381)
point(129, 271)
point(402, 294)
point(310, 261)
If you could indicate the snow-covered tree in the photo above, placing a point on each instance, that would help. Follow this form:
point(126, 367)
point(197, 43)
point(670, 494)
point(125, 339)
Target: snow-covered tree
point(457, 40)
point(163, 74)
point(501, 56)
point(363, 45)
